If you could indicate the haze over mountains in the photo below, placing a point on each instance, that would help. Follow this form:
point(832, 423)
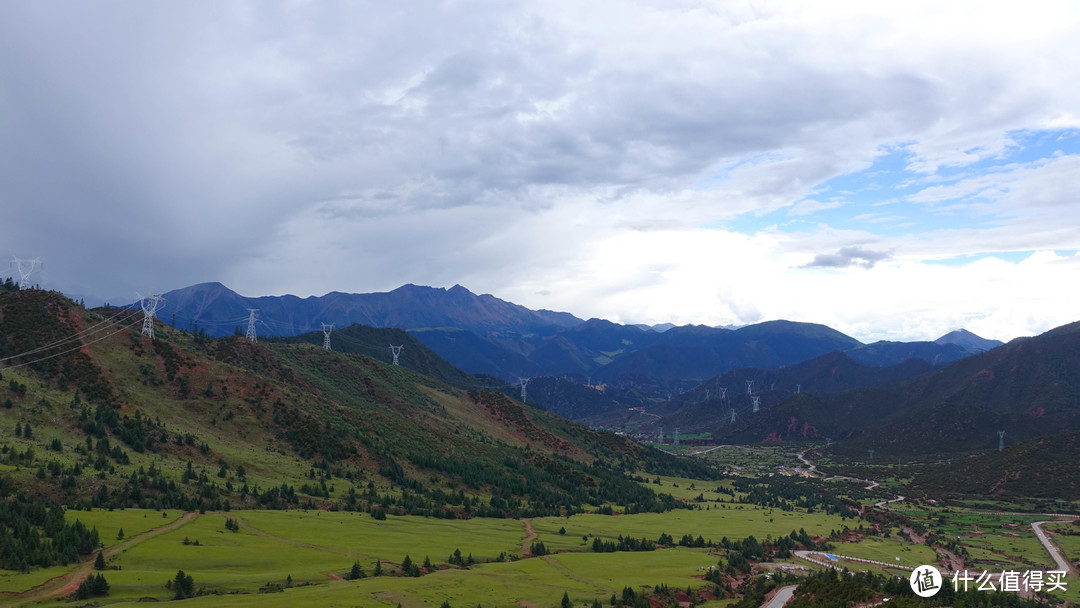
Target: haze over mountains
point(483, 334)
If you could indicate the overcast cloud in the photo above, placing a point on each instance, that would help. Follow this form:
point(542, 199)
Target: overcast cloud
point(893, 171)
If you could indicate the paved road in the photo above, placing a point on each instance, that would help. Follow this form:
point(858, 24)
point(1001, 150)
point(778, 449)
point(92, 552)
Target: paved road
point(782, 597)
point(1051, 548)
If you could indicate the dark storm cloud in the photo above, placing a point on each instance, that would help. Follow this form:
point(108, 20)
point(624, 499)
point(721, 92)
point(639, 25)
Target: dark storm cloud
point(152, 145)
point(848, 256)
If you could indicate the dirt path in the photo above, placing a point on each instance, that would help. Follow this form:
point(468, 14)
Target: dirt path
point(526, 545)
point(334, 575)
point(66, 584)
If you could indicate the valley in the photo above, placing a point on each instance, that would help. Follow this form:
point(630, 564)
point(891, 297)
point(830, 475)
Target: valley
point(223, 471)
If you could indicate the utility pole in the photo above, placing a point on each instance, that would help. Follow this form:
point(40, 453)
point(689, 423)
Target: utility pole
point(149, 307)
point(26, 269)
point(251, 325)
point(524, 382)
point(396, 352)
point(326, 329)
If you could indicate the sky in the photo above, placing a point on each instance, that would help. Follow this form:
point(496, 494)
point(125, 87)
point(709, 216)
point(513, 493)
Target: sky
point(894, 171)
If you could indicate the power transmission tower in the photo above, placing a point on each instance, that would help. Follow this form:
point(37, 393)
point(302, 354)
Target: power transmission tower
point(757, 403)
point(524, 382)
point(660, 433)
point(396, 351)
point(1001, 440)
point(676, 435)
point(326, 329)
point(732, 415)
point(749, 387)
point(26, 269)
point(251, 325)
point(828, 441)
point(723, 394)
point(149, 307)
point(706, 394)
point(871, 454)
point(798, 389)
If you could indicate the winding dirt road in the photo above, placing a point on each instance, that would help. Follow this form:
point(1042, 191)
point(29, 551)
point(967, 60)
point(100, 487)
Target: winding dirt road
point(66, 584)
point(526, 545)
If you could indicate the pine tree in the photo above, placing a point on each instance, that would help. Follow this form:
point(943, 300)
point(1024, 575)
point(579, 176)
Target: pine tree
point(183, 586)
point(566, 603)
point(99, 563)
point(378, 568)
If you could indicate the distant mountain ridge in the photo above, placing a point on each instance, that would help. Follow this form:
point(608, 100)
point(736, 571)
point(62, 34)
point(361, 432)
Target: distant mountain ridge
point(482, 334)
point(1029, 387)
point(219, 310)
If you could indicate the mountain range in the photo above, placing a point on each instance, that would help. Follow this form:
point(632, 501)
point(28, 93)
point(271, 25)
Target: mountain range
point(131, 420)
point(482, 334)
point(1027, 388)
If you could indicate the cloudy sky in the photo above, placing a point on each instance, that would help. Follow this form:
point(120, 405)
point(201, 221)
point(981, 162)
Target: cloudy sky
point(894, 172)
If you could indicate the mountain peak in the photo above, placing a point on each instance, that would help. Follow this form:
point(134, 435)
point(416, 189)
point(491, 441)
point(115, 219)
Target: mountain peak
point(968, 340)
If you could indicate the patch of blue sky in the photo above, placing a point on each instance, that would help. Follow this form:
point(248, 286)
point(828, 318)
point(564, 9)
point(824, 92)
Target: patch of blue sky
point(1014, 257)
point(876, 199)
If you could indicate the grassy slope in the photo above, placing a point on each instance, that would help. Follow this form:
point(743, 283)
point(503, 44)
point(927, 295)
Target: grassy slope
point(278, 409)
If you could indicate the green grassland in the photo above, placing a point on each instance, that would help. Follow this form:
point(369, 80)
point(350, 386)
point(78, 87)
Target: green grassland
point(888, 549)
point(392, 539)
point(15, 582)
point(317, 548)
point(131, 521)
point(1067, 536)
point(715, 523)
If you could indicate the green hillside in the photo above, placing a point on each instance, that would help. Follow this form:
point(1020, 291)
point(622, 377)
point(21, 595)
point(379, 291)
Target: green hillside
point(187, 421)
point(375, 343)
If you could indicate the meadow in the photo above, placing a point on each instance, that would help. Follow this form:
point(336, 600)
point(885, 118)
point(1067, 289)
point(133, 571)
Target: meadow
point(309, 553)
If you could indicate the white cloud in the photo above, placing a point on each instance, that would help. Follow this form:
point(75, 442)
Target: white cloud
point(601, 153)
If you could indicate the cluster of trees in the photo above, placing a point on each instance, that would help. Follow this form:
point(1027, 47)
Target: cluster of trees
point(457, 560)
point(624, 543)
point(33, 532)
point(182, 586)
point(787, 495)
point(831, 588)
point(92, 586)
